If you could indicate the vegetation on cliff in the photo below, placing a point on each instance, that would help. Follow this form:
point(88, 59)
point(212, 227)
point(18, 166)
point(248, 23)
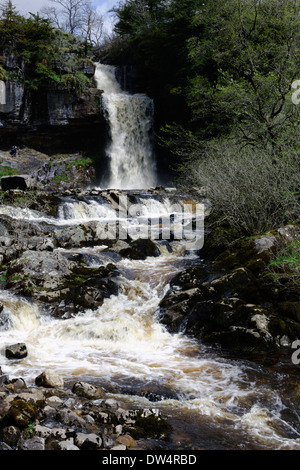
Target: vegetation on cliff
point(225, 74)
point(41, 56)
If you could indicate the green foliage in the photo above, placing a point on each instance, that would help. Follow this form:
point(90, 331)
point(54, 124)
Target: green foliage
point(44, 56)
point(253, 49)
point(7, 170)
point(289, 257)
point(76, 82)
point(251, 190)
point(284, 268)
point(79, 163)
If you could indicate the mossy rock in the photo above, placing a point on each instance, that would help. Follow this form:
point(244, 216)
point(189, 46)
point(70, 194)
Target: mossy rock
point(151, 427)
point(290, 310)
point(20, 414)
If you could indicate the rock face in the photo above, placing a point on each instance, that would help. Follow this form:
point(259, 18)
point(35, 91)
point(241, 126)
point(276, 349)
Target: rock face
point(233, 302)
point(64, 285)
point(51, 118)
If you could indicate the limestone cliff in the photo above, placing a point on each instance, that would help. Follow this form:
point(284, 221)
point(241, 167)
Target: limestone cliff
point(56, 117)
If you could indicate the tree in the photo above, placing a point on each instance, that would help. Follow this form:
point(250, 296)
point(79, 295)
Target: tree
point(77, 17)
point(253, 51)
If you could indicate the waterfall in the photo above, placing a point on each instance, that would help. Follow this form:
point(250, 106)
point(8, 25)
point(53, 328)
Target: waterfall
point(130, 119)
point(2, 92)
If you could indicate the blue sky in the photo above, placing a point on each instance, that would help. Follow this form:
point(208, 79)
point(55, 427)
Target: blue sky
point(33, 6)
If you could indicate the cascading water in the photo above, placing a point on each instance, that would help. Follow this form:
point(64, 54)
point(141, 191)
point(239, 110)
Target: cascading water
point(221, 403)
point(2, 92)
point(130, 118)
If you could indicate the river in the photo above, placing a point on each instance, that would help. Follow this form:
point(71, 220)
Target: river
point(213, 401)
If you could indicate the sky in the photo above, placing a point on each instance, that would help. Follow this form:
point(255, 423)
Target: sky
point(33, 6)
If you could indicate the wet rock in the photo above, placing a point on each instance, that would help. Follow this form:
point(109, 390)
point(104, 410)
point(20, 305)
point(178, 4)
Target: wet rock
point(67, 445)
point(151, 426)
point(126, 440)
point(16, 351)
point(33, 443)
point(20, 414)
point(88, 441)
point(30, 395)
point(5, 321)
point(59, 419)
point(140, 249)
point(10, 435)
point(63, 285)
point(49, 379)
point(4, 379)
point(87, 390)
point(232, 302)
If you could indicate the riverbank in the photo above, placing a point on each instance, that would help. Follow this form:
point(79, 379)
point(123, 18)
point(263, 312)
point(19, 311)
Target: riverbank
point(51, 416)
point(186, 335)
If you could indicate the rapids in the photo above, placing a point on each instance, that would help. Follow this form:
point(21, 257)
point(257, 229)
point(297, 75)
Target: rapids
point(213, 402)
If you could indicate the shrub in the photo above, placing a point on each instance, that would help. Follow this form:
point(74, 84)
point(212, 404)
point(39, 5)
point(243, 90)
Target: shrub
point(251, 190)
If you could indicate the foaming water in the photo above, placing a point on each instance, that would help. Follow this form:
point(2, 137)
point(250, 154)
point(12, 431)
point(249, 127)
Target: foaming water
point(122, 345)
point(130, 119)
point(76, 212)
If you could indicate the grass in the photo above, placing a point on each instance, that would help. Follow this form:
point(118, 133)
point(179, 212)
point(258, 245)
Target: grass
point(288, 257)
point(7, 171)
point(79, 163)
point(284, 269)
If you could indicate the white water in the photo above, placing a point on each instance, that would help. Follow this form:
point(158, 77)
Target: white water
point(2, 92)
point(123, 344)
point(130, 118)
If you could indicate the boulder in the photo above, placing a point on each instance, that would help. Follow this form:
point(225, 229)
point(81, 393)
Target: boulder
point(232, 302)
point(140, 249)
point(63, 285)
point(87, 390)
point(49, 379)
point(88, 441)
point(33, 443)
point(16, 351)
point(20, 414)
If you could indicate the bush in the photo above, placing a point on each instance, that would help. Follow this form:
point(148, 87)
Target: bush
point(251, 191)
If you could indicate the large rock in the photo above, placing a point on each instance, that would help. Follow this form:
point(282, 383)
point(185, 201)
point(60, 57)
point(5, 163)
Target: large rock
point(140, 249)
point(87, 390)
point(234, 302)
point(49, 379)
point(16, 351)
point(65, 286)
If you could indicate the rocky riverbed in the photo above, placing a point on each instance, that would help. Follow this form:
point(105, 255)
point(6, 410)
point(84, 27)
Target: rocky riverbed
point(52, 416)
point(59, 253)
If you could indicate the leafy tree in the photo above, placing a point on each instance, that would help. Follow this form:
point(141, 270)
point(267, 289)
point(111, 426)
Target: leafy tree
point(253, 48)
point(43, 55)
